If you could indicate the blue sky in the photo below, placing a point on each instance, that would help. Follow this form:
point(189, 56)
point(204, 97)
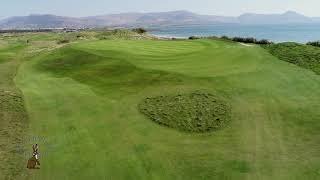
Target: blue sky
point(97, 7)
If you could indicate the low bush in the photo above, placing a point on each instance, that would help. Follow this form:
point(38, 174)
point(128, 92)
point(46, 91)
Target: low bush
point(264, 41)
point(251, 40)
point(122, 34)
point(193, 37)
point(314, 43)
point(225, 38)
point(139, 30)
point(63, 41)
point(243, 39)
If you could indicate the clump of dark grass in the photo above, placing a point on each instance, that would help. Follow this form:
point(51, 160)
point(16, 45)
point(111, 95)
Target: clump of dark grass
point(250, 40)
point(314, 43)
point(127, 34)
point(139, 30)
point(194, 112)
point(193, 38)
point(63, 41)
point(302, 55)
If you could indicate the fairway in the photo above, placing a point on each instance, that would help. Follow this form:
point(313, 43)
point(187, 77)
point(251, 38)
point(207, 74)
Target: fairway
point(83, 99)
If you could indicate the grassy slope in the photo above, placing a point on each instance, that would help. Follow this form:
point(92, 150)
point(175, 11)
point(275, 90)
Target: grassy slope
point(302, 55)
point(83, 98)
point(13, 117)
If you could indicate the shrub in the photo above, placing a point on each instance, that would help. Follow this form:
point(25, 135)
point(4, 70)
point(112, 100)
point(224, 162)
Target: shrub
point(314, 43)
point(247, 40)
point(244, 40)
point(63, 41)
point(139, 30)
point(115, 34)
point(225, 38)
point(193, 38)
point(250, 40)
point(264, 41)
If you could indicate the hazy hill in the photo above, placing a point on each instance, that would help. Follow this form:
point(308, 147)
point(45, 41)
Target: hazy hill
point(148, 19)
point(157, 18)
point(39, 21)
point(286, 18)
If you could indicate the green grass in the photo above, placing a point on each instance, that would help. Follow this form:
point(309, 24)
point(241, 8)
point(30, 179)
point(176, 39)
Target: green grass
point(306, 56)
point(83, 98)
point(193, 112)
point(13, 116)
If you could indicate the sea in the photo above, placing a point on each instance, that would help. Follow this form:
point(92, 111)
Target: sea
point(300, 33)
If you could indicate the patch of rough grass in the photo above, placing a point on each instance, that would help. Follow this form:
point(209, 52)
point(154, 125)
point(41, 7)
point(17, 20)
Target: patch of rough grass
point(13, 119)
point(122, 34)
point(3, 43)
point(299, 54)
point(13, 115)
point(193, 112)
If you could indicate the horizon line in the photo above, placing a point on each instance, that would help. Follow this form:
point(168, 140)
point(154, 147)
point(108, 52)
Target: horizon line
point(137, 12)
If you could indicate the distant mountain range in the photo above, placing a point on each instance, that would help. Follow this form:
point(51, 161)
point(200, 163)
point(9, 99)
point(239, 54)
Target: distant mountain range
point(150, 19)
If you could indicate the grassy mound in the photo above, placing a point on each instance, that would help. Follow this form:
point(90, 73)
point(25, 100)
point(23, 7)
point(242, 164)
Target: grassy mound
point(194, 112)
point(302, 55)
point(122, 34)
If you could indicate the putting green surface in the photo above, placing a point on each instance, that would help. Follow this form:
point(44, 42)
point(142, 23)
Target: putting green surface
point(83, 99)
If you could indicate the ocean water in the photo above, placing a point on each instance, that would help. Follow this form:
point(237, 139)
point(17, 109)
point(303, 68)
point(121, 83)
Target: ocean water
point(278, 33)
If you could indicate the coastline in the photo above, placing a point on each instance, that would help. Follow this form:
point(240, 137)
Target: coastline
point(276, 33)
point(168, 36)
